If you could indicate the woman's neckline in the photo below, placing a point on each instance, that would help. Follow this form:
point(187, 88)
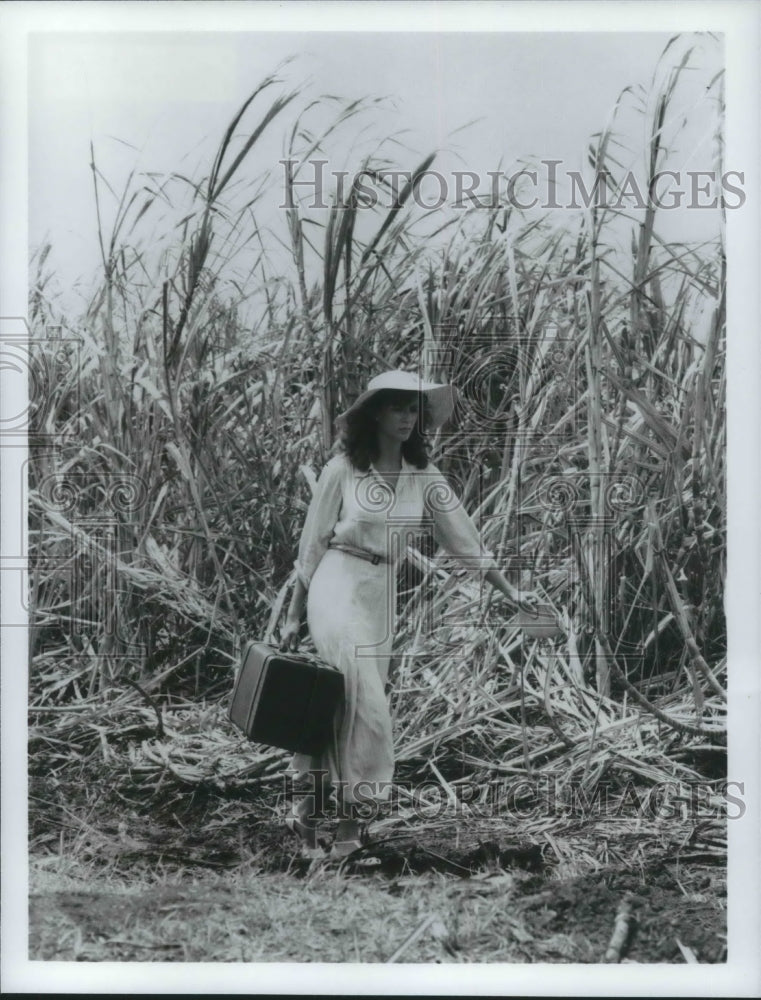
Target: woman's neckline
point(375, 468)
point(383, 475)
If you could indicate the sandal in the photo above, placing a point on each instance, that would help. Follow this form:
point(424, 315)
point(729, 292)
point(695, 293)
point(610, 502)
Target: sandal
point(343, 850)
point(304, 833)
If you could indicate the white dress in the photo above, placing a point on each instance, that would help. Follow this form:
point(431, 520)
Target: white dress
point(351, 603)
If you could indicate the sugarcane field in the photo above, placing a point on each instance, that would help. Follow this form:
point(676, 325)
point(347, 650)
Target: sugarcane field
point(536, 691)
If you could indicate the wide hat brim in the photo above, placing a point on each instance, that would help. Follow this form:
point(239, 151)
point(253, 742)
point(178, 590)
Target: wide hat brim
point(441, 396)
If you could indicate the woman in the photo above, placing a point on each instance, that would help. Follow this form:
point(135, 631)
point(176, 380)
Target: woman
point(368, 501)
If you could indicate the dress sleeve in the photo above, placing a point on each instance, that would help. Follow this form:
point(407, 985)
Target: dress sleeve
point(322, 515)
point(453, 527)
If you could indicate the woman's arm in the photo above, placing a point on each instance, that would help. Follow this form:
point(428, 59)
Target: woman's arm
point(324, 509)
point(500, 583)
point(458, 534)
point(289, 637)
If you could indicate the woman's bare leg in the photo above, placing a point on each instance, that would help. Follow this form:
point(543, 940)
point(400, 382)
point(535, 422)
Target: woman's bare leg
point(349, 824)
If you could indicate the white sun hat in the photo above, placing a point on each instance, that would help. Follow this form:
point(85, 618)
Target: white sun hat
point(441, 396)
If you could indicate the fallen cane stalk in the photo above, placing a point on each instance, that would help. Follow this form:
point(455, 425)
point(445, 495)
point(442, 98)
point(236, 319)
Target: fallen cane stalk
point(412, 937)
point(687, 953)
point(620, 930)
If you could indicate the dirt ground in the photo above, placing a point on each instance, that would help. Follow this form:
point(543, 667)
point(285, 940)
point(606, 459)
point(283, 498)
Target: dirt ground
point(486, 892)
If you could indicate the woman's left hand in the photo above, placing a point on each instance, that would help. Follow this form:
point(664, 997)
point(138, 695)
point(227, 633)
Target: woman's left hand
point(525, 599)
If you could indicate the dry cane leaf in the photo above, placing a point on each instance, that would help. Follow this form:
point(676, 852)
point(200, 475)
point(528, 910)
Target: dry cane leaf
point(687, 953)
point(441, 934)
point(620, 931)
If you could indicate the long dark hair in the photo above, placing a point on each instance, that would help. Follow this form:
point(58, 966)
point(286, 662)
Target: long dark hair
point(360, 438)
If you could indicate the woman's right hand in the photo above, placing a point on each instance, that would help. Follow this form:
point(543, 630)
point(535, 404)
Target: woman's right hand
point(289, 636)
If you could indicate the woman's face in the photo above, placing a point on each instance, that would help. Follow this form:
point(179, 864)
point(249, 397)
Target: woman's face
point(397, 418)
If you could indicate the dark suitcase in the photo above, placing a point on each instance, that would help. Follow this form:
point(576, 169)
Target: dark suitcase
point(286, 700)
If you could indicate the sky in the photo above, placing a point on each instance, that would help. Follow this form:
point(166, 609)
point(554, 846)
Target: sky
point(159, 102)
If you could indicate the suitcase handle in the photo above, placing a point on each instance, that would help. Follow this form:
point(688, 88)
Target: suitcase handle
point(303, 657)
point(309, 658)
